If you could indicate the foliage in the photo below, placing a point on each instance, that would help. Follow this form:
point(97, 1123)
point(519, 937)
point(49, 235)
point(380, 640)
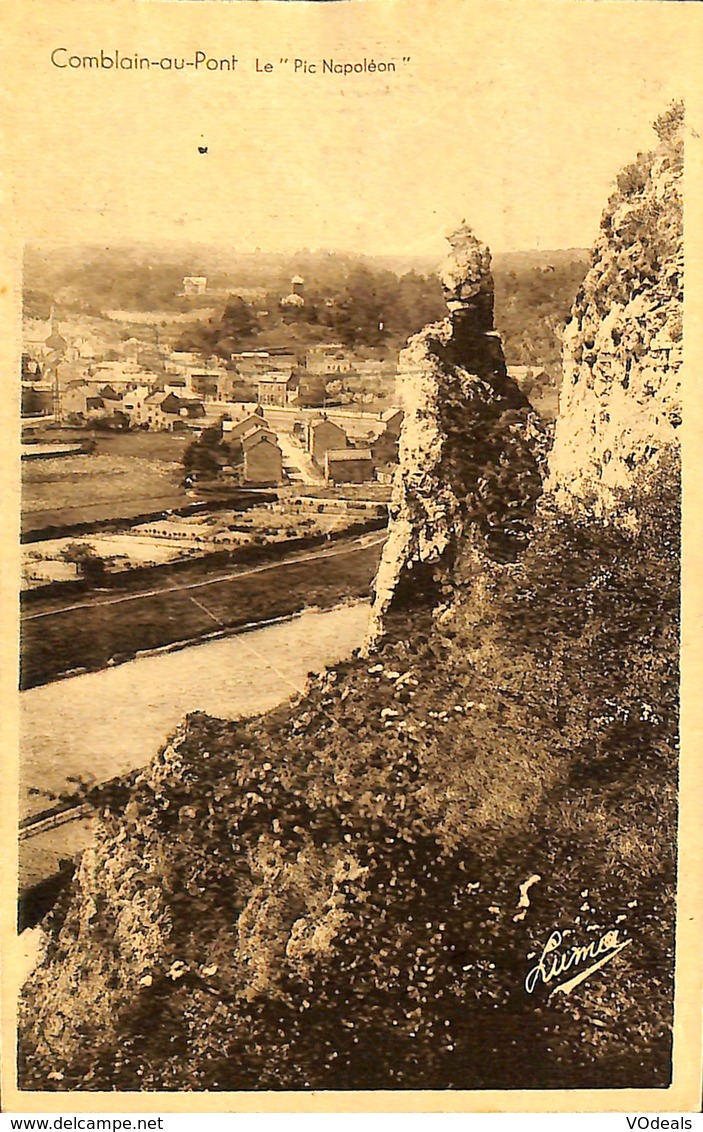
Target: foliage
point(533, 304)
point(36, 304)
point(87, 561)
point(237, 325)
point(669, 125)
point(327, 896)
point(207, 454)
point(111, 422)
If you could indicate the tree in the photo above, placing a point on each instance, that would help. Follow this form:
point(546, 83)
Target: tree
point(238, 319)
point(669, 124)
point(360, 312)
point(207, 454)
point(87, 561)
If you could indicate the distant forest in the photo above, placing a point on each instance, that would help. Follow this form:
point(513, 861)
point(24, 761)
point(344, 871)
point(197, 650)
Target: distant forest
point(364, 302)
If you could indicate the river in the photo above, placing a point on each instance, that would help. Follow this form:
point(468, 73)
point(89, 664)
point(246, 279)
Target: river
point(101, 724)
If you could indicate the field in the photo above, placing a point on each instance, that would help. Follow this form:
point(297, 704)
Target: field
point(110, 630)
point(83, 489)
point(158, 447)
point(174, 537)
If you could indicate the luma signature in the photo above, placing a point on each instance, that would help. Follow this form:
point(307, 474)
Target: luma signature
point(553, 963)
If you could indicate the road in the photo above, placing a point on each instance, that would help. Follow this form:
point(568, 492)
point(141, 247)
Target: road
point(92, 727)
point(295, 456)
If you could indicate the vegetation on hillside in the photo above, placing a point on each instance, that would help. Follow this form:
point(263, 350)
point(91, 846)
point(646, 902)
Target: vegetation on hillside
point(328, 896)
point(360, 302)
point(533, 304)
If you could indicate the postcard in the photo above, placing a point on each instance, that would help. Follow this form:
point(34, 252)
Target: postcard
point(352, 679)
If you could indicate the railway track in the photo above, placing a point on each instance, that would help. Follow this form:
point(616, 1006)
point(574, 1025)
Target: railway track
point(45, 822)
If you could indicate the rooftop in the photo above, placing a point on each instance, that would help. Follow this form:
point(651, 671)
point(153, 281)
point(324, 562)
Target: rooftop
point(337, 455)
point(262, 437)
point(253, 434)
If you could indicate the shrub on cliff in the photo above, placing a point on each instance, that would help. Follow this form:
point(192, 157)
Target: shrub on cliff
point(327, 896)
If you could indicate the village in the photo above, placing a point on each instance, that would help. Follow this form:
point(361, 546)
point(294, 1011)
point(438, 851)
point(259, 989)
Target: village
point(101, 410)
point(278, 403)
point(189, 487)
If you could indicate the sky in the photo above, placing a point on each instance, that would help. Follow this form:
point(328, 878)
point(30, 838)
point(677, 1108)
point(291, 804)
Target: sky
point(515, 115)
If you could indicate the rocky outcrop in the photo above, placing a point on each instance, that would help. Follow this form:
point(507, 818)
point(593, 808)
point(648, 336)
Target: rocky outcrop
point(470, 450)
point(335, 895)
point(620, 405)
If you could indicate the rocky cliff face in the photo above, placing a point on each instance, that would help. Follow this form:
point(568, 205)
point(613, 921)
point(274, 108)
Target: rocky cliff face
point(471, 449)
point(349, 891)
point(621, 395)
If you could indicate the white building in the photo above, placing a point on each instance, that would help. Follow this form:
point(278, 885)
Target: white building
point(194, 284)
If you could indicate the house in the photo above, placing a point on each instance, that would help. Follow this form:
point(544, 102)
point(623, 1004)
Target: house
point(296, 297)
point(79, 397)
point(133, 404)
point(194, 284)
point(251, 363)
point(37, 399)
point(323, 435)
point(263, 460)
point(167, 411)
point(181, 359)
point(392, 420)
point(182, 410)
point(329, 358)
point(236, 430)
point(349, 465)
point(153, 415)
point(384, 448)
point(282, 357)
point(254, 433)
point(177, 385)
point(116, 374)
point(257, 363)
point(292, 300)
point(31, 370)
point(109, 394)
point(277, 389)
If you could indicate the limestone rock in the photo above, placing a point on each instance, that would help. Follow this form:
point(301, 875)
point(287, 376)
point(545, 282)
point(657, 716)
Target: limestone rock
point(620, 405)
point(470, 448)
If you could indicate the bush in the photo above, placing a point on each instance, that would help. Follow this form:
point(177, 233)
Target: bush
point(336, 882)
point(88, 563)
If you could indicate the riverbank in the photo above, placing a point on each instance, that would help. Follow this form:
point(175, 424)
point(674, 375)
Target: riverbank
point(93, 727)
point(102, 630)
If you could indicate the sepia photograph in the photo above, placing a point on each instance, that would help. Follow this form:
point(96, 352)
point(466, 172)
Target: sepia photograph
point(348, 400)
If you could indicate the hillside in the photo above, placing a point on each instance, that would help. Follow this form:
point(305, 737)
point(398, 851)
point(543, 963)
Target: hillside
point(347, 297)
point(359, 889)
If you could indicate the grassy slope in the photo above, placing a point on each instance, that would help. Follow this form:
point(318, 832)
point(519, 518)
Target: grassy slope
point(337, 882)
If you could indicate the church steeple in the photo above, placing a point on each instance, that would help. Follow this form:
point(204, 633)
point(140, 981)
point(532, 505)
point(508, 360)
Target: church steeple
point(55, 341)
